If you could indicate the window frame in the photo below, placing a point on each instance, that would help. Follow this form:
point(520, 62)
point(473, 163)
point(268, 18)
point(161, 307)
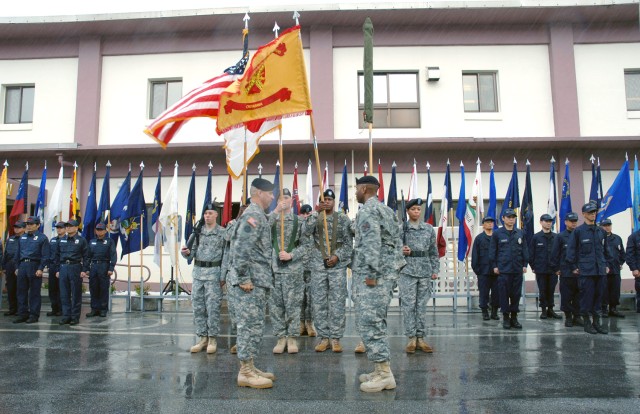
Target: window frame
point(151, 96)
point(21, 87)
point(496, 91)
point(636, 72)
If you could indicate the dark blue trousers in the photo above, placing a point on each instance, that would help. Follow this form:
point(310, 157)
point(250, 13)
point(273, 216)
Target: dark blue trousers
point(99, 284)
point(12, 285)
point(70, 290)
point(546, 289)
point(510, 286)
point(611, 290)
point(637, 286)
point(488, 287)
point(590, 295)
point(54, 290)
point(28, 290)
point(570, 295)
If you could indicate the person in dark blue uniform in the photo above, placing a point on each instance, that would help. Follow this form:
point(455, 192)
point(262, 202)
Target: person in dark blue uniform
point(611, 283)
point(540, 261)
point(102, 257)
point(487, 280)
point(569, 289)
point(632, 258)
point(54, 285)
point(33, 256)
point(587, 254)
point(10, 266)
point(509, 257)
point(72, 258)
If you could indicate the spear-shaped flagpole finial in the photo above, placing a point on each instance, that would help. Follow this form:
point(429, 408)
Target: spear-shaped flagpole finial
point(277, 163)
point(598, 161)
point(193, 167)
point(553, 160)
point(246, 19)
point(461, 164)
point(176, 164)
point(428, 165)
point(491, 164)
point(45, 164)
point(75, 165)
point(296, 17)
point(108, 163)
point(626, 157)
point(210, 165)
point(414, 161)
point(6, 163)
point(141, 165)
point(528, 163)
point(296, 165)
point(95, 166)
point(366, 166)
point(592, 159)
point(448, 161)
point(514, 160)
point(260, 168)
point(129, 167)
point(159, 167)
point(394, 164)
point(26, 166)
point(478, 162)
point(276, 28)
point(566, 161)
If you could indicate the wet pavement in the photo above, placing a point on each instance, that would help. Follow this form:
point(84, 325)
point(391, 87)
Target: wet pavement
point(135, 362)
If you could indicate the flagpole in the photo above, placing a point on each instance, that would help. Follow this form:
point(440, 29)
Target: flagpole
point(161, 240)
point(324, 214)
point(244, 169)
point(281, 189)
point(455, 260)
point(371, 145)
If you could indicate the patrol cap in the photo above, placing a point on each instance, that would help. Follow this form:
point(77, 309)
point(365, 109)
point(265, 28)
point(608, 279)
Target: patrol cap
point(101, 226)
point(414, 202)
point(571, 216)
point(33, 220)
point(72, 223)
point(329, 193)
point(488, 218)
point(60, 225)
point(286, 192)
point(368, 179)
point(605, 222)
point(546, 217)
point(305, 208)
point(262, 184)
point(20, 224)
point(589, 207)
point(509, 212)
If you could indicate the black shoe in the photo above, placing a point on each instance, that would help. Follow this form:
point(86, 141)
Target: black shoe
point(514, 321)
point(64, 321)
point(10, 313)
point(598, 327)
point(614, 312)
point(552, 314)
point(51, 313)
point(577, 320)
point(74, 321)
point(494, 313)
point(31, 320)
point(506, 321)
point(605, 314)
point(21, 319)
point(588, 326)
point(543, 313)
point(485, 315)
point(93, 313)
point(568, 322)
point(103, 314)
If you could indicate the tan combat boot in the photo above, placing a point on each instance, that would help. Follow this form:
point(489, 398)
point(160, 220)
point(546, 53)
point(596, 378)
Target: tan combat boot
point(360, 348)
point(234, 349)
point(202, 344)
point(292, 345)
point(263, 374)
point(279, 348)
point(311, 330)
point(367, 377)
point(335, 345)
point(323, 345)
point(247, 377)
point(411, 345)
point(303, 329)
point(213, 345)
point(382, 379)
point(424, 347)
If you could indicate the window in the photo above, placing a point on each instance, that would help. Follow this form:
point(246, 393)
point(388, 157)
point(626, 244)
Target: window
point(395, 100)
point(480, 91)
point(163, 94)
point(18, 104)
point(632, 88)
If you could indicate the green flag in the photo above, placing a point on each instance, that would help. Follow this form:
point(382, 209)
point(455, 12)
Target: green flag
point(367, 28)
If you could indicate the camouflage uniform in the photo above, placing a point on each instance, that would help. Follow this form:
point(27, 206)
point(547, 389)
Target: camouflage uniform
point(285, 298)
point(251, 262)
point(329, 285)
point(415, 284)
point(226, 266)
point(378, 255)
point(306, 311)
point(206, 292)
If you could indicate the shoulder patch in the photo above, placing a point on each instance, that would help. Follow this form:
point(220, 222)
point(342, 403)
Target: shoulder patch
point(252, 222)
point(365, 226)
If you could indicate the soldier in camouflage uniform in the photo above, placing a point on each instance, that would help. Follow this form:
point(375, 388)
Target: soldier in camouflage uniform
point(329, 271)
point(306, 313)
point(285, 299)
point(423, 264)
point(206, 245)
point(377, 261)
point(251, 278)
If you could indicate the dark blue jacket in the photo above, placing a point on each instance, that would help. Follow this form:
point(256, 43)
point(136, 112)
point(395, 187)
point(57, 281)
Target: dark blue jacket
point(508, 251)
point(53, 248)
point(587, 250)
point(480, 255)
point(103, 251)
point(73, 249)
point(633, 251)
point(540, 252)
point(616, 253)
point(33, 247)
point(559, 254)
point(11, 248)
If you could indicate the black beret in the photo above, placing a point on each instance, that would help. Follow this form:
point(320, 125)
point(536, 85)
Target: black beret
point(306, 208)
point(286, 192)
point(509, 212)
point(20, 224)
point(488, 218)
point(212, 206)
point(329, 193)
point(546, 217)
point(589, 207)
point(571, 216)
point(262, 184)
point(101, 226)
point(368, 179)
point(605, 222)
point(72, 222)
point(414, 202)
point(60, 225)
point(33, 220)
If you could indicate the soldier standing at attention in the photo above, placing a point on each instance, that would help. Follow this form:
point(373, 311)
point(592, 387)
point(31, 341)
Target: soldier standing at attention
point(423, 265)
point(487, 280)
point(569, 289)
point(329, 271)
point(206, 245)
point(540, 260)
point(611, 284)
point(72, 260)
point(377, 261)
point(10, 265)
point(509, 256)
point(251, 277)
point(102, 259)
point(285, 299)
point(306, 313)
point(633, 261)
point(588, 254)
point(54, 284)
point(32, 255)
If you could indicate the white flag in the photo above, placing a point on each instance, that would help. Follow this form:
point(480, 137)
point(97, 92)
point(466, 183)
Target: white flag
point(413, 185)
point(55, 206)
point(234, 141)
point(309, 195)
point(169, 219)
point(477, 198)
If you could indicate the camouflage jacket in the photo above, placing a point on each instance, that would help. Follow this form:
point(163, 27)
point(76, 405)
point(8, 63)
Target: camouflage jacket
point(292, 243)
point(424, 260)
point(226, 259)
point(314, 228)
point(208, 247)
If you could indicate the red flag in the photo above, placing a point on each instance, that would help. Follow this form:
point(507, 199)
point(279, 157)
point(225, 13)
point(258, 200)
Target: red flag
point(296, 198)
point(381, 189)
point(227, 209)
point(18, 208)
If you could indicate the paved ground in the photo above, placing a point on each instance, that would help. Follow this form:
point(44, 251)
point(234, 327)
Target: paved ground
point(134, 363)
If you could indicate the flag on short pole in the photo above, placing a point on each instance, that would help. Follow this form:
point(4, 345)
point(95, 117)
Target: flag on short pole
point(189, 217)
point(3, 201)
point(309, 184)
point(413, 184)
point(565, 199)
point(168, 217)
point(381, 181)
point(392, 197)
point(118, 207)
point(207, 190)
point(465, 221)
point(325, 177)
point(91, 211)
point(276, 188)
point(526, 212)
point(636, 196)
point(552, 201)
point(512, 199)
point(491, 212)
point(55, 204)
point(134, 220)
point(156, 224)
point(74, 202)
point(295, 199)
point(428, 212)
point(344, 191)
point(618, 197)
point(40, 201)
point(227, 209)
point(19, 204)
point(447, 203)
point(477, 198)
point(105, 198)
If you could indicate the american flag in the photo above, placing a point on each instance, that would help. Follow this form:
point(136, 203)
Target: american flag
point(203, 101)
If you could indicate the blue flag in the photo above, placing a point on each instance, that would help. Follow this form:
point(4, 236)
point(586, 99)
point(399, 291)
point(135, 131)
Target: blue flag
point(552, 203)
point(105, 199)
point(39, 211)
point(618, 198)
point(565, 200)
point(428, 211)
point(117, 207)
point(464, 232)
point(595, 193)
point(189, 217)
point(207, 192)
point(90, 212)
point(526, 212)
point(636, 197)
point(276, 189)
point(392, 197)
point(157, 201)
point(134, 220)
point(512, 199)
point(344, 191)
point(491, 212)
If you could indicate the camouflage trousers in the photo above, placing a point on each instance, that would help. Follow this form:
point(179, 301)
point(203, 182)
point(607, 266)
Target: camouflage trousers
point(285, 303)
point(206, 298)
point(372, 304)
point(248, 308)
point(329, 295)
point(415, 293)
point(306, 313)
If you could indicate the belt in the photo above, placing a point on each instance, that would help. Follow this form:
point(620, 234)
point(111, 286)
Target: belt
point(100, 261)
point(201, 263)
point(70, 262)
point(418, 253)
point(29, 260)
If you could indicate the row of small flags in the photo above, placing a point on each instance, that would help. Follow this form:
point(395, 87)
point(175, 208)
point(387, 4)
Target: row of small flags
point(126, 215)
